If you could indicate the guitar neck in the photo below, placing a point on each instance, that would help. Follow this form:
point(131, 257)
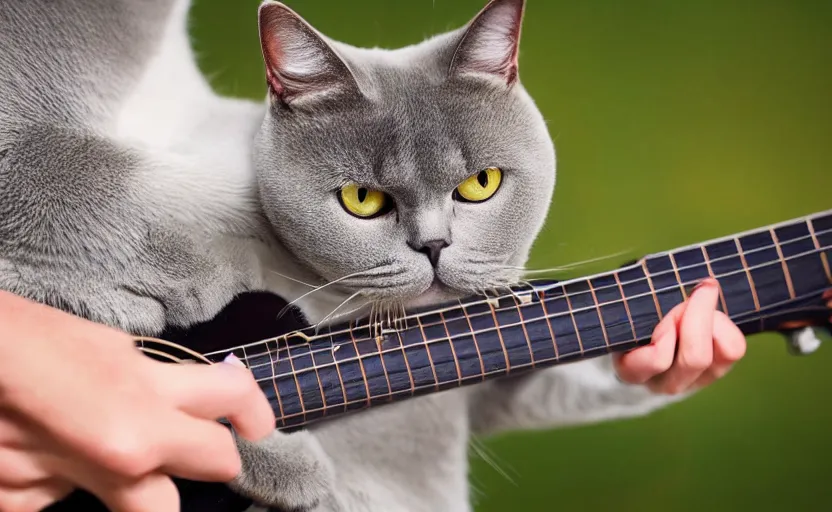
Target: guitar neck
point(767, 277)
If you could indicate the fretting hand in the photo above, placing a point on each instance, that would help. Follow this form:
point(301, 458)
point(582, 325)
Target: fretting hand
point(694, 345)
point(80, 407)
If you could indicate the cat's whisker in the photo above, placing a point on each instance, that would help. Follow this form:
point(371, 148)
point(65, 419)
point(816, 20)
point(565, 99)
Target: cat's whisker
point(323, 286)
point(284, 276)
point(349, 312)
point(372, 319)
point(404, 314)
point(483, 452)
point(324, 319)
point(571, 266)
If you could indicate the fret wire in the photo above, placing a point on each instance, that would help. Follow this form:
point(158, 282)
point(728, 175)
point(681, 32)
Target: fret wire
point(528, 365)
point(652, 290)
point(551, 285)
point(678, 277)
point(473, 336)
point(549, 324)
point(361, 365)
point(500, 337)
point(384, 365)
point(406, 362)
point(556, 315)
point(719, 288)
point(823, 258)
point(738, 319)
point(245, 357)
point(748, 274)
point(600, 315)
point(453, 349)
point(430, 357)
point(406, 393)
point(626, 305)
point(318, 377)
point(525, 332)
point(337, 369)
point(726, 274)
point(574, 322)
point(785, 266)
point(295, 374)
point(274, 380)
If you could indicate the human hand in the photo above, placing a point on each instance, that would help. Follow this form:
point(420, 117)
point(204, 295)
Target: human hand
point(693, 346)
point(81, 407)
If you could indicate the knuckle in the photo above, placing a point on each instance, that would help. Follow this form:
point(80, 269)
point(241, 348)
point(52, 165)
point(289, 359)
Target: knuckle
point(229, 463)
point(735, 351)
point(229, 468)
point(124, 453)
point(696, 360)
point(659, 365)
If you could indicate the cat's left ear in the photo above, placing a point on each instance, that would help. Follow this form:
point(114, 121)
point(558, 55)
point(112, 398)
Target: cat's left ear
point(300, 64)
point(491, 42)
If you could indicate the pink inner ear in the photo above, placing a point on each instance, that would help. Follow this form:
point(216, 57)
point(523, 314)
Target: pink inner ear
point(299, 63)
point(273, 53)
point(492, 42)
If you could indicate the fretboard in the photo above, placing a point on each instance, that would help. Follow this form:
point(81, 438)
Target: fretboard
point(767, 277)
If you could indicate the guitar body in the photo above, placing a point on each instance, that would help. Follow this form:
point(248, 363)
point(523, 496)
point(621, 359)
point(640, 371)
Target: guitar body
point(249, 318)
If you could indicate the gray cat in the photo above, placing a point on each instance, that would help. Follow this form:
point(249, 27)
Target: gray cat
point(134, 196)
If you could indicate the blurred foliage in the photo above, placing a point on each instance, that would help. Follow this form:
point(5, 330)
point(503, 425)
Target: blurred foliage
point(675, 122)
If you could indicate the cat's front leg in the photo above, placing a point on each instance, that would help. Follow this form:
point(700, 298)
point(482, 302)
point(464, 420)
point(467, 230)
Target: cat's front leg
point(288, 471)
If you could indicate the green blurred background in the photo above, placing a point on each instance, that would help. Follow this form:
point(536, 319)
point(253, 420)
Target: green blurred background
point(675, 122)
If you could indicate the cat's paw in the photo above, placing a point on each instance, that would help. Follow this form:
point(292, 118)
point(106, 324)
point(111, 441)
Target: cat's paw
point(196, 278)
point(287, 471)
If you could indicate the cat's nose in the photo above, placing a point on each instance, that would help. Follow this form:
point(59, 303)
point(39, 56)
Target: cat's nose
point(432, 248)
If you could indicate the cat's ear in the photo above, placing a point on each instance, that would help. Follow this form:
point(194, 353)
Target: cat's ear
point(300, 64)
point(491, 42)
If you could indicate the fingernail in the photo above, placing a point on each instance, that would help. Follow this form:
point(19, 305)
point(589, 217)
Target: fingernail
point(707, 282)
point(233, 360)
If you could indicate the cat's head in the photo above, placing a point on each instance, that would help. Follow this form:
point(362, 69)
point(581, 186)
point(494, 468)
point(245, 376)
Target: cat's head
point(424, 173)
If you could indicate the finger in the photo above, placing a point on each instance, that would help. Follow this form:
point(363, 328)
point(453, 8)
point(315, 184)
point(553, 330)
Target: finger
point(153, 493)
point(33, 499)
point(15, 432)
point(200, 450)
point(21, 469)
point(729, 347)
point(644, 363)
point(221, 390)
point(694, 353)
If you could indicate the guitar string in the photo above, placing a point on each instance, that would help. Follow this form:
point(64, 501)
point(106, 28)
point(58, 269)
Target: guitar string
point(536, 289)
point(460, 380)
point(594, 307)
point(427, 343)
point(280, 349)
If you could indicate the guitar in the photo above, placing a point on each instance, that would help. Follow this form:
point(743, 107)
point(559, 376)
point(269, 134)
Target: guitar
point(776, 278)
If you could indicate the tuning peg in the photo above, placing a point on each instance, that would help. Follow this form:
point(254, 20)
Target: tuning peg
point(801, 342)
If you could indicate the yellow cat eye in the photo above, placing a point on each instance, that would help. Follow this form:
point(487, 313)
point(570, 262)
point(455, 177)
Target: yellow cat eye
point(480, 186)
point(363, 202)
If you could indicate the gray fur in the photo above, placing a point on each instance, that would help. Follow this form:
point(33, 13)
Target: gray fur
point(80, 223)
point(107, 212)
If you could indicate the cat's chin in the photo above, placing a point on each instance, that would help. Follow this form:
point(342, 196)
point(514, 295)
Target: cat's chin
point(437, 293)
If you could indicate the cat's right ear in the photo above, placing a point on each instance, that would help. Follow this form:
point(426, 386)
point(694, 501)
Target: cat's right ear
point(300, 65)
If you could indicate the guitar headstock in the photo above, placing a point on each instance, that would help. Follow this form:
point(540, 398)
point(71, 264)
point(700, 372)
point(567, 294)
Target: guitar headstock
point(169, 352)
